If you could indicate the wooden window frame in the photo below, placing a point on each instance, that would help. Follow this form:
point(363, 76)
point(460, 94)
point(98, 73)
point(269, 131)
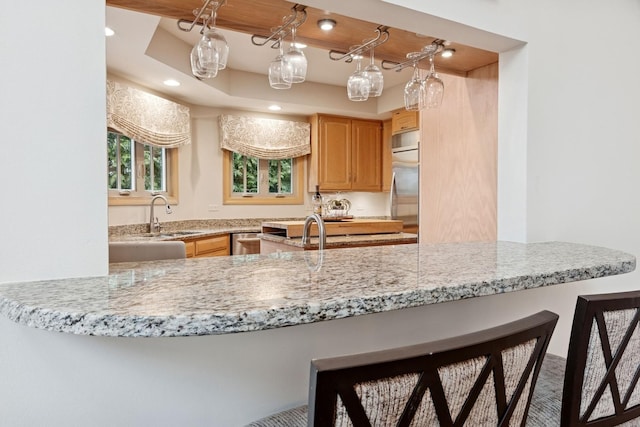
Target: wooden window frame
point(296, 198)
point(116, 198)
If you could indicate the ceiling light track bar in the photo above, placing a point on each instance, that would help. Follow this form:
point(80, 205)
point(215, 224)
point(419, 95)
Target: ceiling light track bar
point(414, 57)
point(298, 17)
point(208, 9)
point(382, 35)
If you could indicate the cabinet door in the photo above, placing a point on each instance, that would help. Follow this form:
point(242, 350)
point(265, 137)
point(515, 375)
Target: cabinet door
point(334, 146)
point(403, 120)
point(207, 246)
point(212, 246)
point(366, 148)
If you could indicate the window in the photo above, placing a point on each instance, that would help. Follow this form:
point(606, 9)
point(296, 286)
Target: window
point(249, 180)
point(136, 171)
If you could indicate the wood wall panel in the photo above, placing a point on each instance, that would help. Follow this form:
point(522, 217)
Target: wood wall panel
point(387, 167)
point(458, 153)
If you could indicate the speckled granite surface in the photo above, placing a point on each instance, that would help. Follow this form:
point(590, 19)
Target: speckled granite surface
point(221, 226)
point(252, 292)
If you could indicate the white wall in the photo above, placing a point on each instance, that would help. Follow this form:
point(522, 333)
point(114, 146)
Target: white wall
point(581, 178)
point(52, 116)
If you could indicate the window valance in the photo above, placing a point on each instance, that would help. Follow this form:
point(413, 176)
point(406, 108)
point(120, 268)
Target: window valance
point(147, 118)
point(265, 138)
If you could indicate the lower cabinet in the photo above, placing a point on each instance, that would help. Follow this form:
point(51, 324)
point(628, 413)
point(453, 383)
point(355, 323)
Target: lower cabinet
point(207, 246)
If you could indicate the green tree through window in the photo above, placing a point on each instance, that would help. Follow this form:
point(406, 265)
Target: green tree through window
point(125, 156)
point(255, 176)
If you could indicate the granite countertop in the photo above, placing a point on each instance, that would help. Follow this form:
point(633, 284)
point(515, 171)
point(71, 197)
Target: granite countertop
point(184, 234)
point(175, 230)
point(345, 241)
point(219, 295)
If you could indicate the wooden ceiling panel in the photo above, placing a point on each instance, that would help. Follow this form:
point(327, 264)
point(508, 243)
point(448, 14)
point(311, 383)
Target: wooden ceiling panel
point(261, 16)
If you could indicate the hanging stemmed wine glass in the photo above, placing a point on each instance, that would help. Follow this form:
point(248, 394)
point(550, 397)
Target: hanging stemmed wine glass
point(280, 71)
point(358, 85)
point(210, 54)
point(375, 77)
point(204, 56)
point(414, 92)
point(433, 86)
point(296, 60)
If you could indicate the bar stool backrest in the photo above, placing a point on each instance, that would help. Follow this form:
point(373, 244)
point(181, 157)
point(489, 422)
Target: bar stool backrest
point(484, 378)
point(603, 361)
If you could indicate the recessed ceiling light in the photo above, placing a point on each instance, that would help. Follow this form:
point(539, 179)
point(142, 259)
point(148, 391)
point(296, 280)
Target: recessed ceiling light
point(448, 53)
point(108, 32)
point(171, 82)
point(326, 24)
point(275, 107)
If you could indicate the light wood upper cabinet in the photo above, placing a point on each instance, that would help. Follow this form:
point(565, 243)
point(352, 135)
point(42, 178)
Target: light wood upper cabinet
point(366, 149)
point(403, 121)
point(346, 154)
point(334, 153)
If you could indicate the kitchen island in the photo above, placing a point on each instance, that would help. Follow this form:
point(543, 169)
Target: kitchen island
point(284, 236)
point(260, 319)
point(273, 243)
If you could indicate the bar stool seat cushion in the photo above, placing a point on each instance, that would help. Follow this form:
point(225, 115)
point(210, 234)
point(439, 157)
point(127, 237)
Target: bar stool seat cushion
point(295, 417)
point(547, 396)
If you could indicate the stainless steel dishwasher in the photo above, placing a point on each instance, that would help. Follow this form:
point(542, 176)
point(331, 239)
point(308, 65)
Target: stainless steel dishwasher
point(245, 243)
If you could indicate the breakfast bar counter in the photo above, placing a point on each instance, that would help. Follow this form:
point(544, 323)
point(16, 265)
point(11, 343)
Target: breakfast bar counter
point(251, 292)
point(238, 332)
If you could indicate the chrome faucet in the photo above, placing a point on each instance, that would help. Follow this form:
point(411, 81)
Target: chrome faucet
point(322, 232)
point(154, 224)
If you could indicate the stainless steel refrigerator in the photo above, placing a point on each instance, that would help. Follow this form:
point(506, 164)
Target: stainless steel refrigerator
point(405, 181)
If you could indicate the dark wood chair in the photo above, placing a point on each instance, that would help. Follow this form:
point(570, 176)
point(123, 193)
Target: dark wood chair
point(600, 386)
point(480, 379)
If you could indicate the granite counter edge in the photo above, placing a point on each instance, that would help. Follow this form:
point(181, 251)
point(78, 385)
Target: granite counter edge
point(106, 324)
